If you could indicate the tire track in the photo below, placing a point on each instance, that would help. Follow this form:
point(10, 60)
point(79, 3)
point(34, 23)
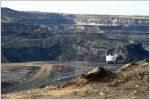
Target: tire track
point(43, 73)
point(36, 80)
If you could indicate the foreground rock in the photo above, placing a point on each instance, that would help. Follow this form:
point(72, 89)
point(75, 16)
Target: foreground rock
point(98, 74)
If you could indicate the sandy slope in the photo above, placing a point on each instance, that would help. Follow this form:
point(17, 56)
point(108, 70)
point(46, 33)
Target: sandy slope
point(132, 81)
point(28, 75)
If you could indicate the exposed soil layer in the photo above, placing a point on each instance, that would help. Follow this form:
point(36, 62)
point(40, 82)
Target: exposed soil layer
point(28, 75)
point(40, 36)
point(130, 81)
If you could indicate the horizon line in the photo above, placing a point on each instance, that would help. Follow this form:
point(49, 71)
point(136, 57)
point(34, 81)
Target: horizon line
point(69, 13)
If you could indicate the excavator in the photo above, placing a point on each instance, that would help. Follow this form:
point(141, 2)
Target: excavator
point(115, 56)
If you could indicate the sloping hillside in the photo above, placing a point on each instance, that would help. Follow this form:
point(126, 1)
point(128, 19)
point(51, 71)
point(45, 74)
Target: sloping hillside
point(129, 82)
point(36, 36)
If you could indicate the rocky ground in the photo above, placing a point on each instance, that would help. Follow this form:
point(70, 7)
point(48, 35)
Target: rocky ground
point(41, 36)
point(131, 81)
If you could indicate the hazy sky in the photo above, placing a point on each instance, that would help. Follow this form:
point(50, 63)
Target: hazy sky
point(82, 7)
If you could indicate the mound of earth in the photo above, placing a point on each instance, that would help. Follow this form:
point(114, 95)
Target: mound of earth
point(129, 53)
point(99, 74)
point(130, 82)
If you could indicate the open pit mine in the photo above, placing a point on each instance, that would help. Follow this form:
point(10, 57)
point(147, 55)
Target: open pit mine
point(46, 53)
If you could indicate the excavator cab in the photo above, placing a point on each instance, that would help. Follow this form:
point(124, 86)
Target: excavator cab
point(113, 55)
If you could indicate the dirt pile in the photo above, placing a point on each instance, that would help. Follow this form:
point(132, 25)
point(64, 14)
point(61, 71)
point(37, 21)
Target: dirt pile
point(98, 74)
point(135, 71)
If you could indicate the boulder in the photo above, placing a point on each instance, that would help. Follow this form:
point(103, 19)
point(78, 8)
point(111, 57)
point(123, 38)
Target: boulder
point(98, 74)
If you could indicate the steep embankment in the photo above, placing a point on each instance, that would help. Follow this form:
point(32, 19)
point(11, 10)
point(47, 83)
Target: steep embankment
point(36, 36)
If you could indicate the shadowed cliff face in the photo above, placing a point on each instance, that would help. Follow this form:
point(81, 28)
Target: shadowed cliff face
point(31, 36)
point(31, 53)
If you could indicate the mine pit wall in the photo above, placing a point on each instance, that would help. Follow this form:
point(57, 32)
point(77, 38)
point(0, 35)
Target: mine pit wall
point(93, 51)
point(28, 36)
point(71, 47)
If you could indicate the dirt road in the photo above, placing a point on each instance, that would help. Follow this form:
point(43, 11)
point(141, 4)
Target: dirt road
point(35, 80)
point(131, 82)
